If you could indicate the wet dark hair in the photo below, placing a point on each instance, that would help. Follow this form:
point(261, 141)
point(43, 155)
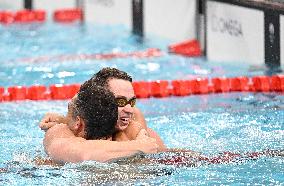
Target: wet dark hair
point(97, 107)
point(102, 77)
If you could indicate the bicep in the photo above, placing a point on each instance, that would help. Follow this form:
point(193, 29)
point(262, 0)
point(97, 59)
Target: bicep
point(68, 150)
point(63, 146)
point(56, 141)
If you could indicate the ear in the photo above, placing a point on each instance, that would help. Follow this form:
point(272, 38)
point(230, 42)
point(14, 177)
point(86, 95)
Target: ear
point(79, 125)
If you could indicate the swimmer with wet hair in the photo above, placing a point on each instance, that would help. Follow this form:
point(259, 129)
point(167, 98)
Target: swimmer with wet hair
point(130, 119)
point(91, 120)
point(92, 117)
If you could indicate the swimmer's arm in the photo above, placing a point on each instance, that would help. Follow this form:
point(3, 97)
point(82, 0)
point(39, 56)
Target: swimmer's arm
point(51, 119)
point(62, 146)
point(153, 134)
point(139, 118)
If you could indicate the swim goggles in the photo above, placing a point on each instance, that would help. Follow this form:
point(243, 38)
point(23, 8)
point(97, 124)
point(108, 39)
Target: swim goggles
point(122, 101)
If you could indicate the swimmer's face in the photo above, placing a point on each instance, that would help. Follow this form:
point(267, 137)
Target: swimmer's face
point(122, 89)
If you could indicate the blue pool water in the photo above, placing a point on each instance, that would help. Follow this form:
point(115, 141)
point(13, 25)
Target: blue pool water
point(211, 124)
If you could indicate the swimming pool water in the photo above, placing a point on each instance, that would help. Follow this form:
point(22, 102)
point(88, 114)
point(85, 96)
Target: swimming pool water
point(211, 124)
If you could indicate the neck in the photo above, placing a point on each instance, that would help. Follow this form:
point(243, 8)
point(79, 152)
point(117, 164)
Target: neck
point(121, 136)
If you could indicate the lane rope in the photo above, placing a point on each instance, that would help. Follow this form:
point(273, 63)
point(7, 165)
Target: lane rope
point(158, 88)
point(148, 53)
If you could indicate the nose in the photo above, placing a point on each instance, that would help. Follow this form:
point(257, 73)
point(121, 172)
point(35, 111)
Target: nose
point(128, 109)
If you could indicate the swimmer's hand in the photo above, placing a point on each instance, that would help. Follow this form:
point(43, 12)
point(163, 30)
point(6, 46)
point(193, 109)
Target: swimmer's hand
point(51, 119)
point(145, 143)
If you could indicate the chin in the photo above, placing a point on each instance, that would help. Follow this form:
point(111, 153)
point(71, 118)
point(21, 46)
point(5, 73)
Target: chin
point(121, 128)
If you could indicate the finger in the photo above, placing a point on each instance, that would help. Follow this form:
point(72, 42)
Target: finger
point(46, 119)
point(153, 140)
point(46, 126)
point(157, 148)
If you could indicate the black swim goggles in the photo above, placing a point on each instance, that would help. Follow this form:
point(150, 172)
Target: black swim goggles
point(122, 101)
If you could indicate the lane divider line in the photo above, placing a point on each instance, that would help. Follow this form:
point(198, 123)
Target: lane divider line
point(157, 89)
point(150, 52)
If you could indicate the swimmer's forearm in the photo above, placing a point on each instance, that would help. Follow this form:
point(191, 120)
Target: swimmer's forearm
point(153, 134)
point(79, 149)
point(109, 150)
point(61, 119)
point(51, 119)
point(63, 146)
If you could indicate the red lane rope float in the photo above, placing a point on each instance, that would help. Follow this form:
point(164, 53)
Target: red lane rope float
point(150, 52)
point(6, 17)
point(221, 84)
point(22, 16)
point(27, 16)
point(37, 92)
point(59, 91)
point(189, 48)
point(17, 93)
point(142, 89)
point(1, 93)
point(159, 89)
point(68, 15)
point(239, 83)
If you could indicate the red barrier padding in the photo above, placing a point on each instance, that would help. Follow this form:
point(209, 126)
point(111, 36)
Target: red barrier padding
point(200, 86)
point(277, 83)
point(68, 15)
point(142, 89)
point(181, 87)
point(6, 17)
point(190, 48)
point(239, 84)
point(22, 16)
point(17, 93)
point(37, 92)
point(159, 88)
point(221, 84)
point(59, 91)
point(261, 83)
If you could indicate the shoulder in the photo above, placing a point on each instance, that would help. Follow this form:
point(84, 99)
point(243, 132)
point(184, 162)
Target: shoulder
point(59, 141)
point(138, 112)
point(139, 117)
point(59, 131)
point(56, 132)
